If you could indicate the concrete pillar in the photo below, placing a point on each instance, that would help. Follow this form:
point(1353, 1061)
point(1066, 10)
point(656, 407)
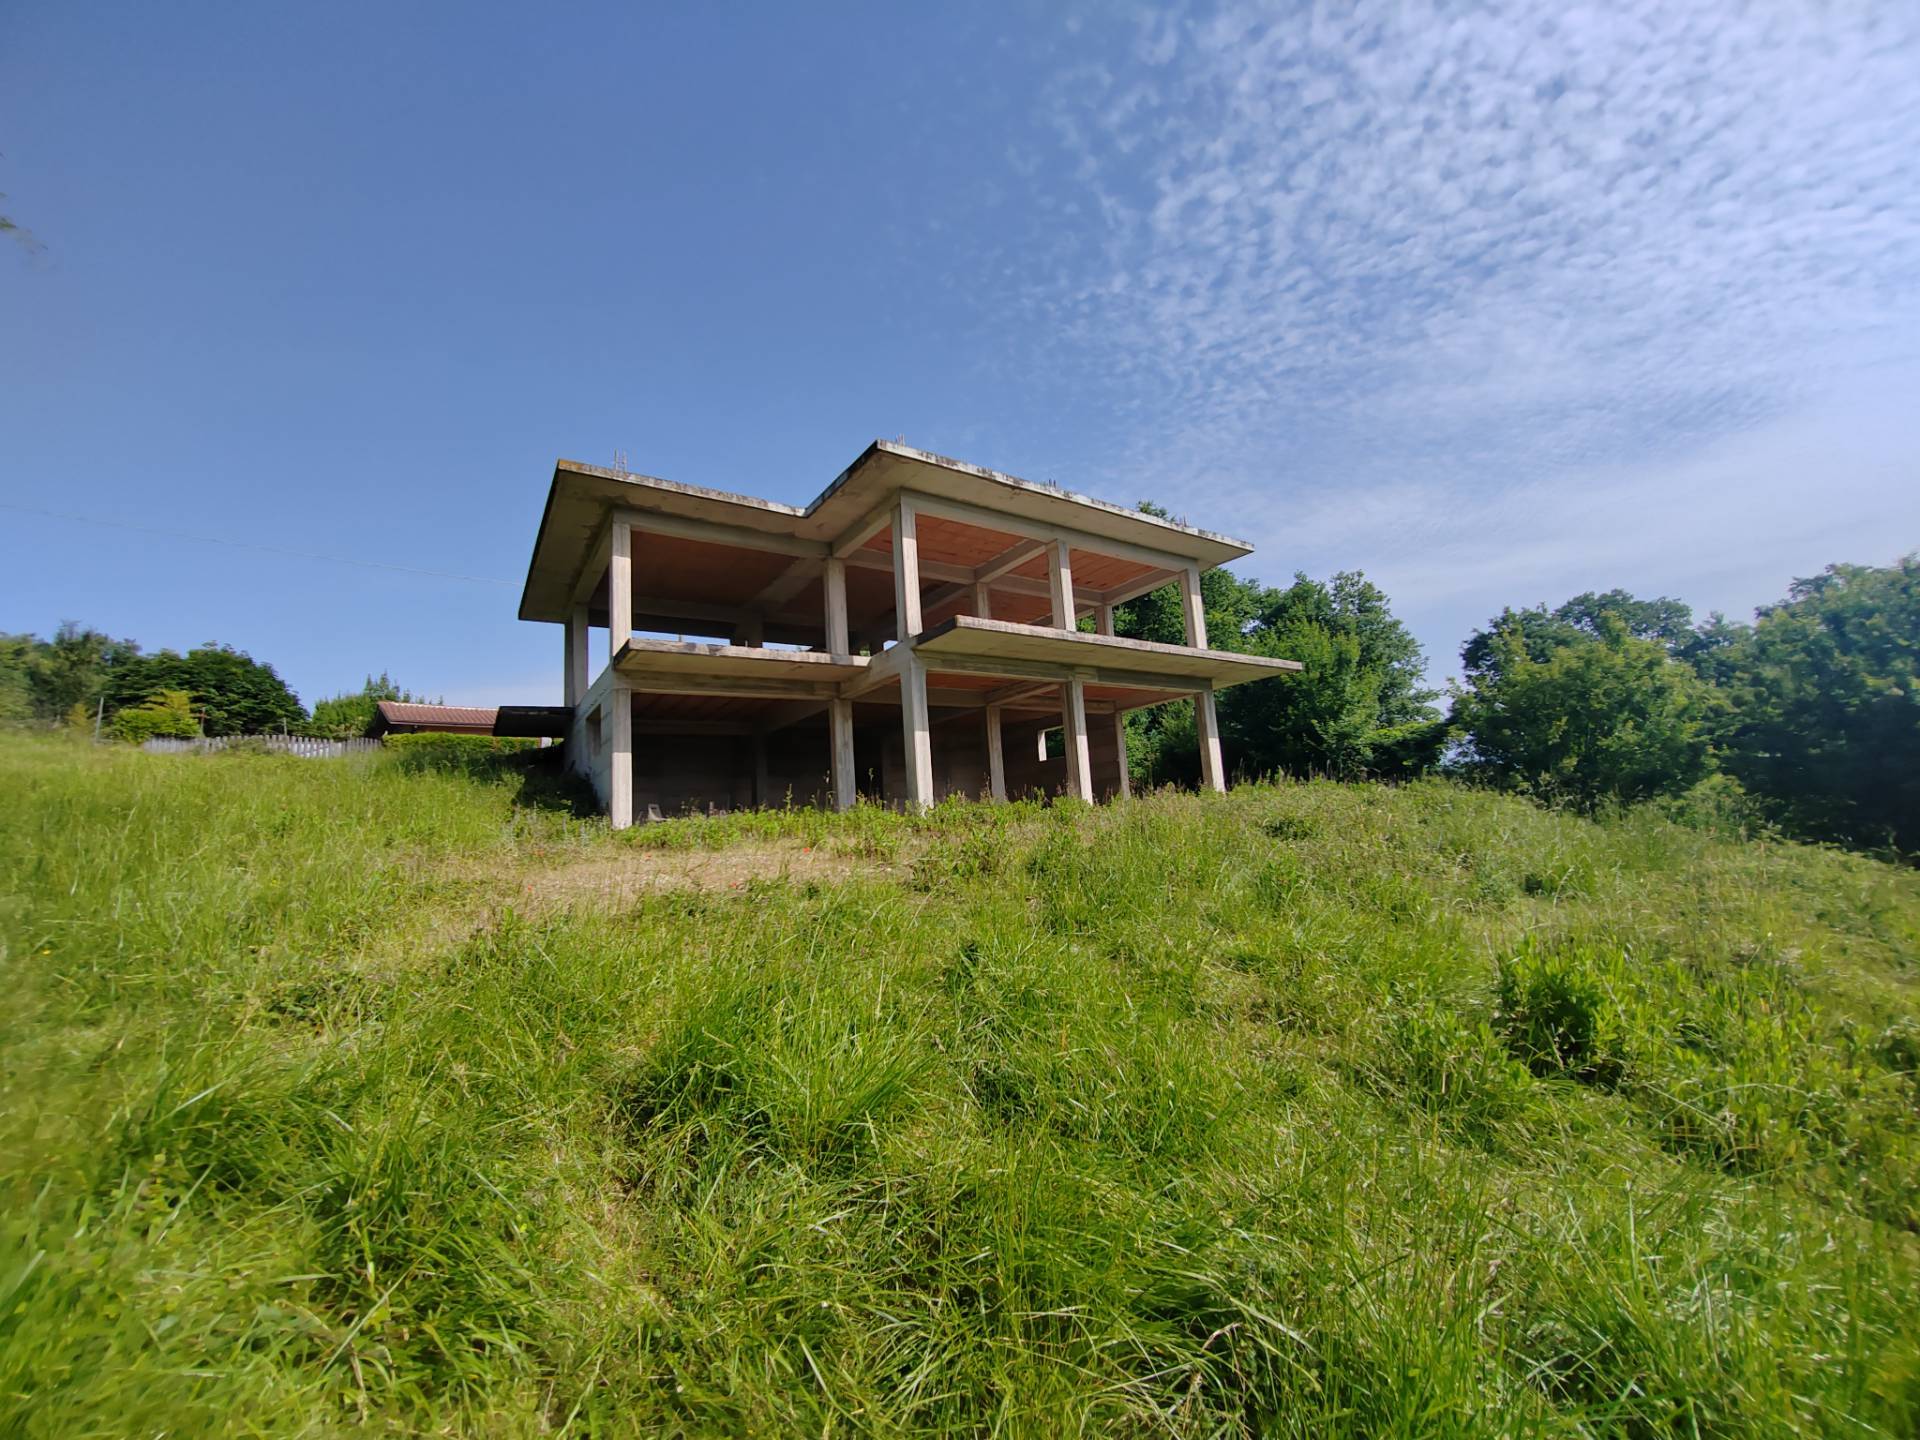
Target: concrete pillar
point(906, 574)
point(983, 600)
point(1060, 585)
point(1073, 726)
point(1206, 724)
point(917, 733)
point(762, 787)
point(840, 731)
point(835, 585)
point(751, 631)
point(996, 757)
point(577, 679)
point(620, 756)
point(1103, 619)
point(1124, 788)
point(1193, 609)
point(619, 587)
point(619, 697)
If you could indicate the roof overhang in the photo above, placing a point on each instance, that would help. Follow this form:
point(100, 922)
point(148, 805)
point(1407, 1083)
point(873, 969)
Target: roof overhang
point(690, 668)
point(582, 497)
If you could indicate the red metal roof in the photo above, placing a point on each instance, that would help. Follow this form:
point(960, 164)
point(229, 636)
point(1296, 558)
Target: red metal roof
point(399, 712)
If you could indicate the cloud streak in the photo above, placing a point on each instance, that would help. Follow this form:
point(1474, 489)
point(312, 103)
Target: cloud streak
point(1437, 265)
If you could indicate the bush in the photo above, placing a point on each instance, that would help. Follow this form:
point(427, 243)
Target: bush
point(482, 757)
point(168, 713)
point(1560, 1014)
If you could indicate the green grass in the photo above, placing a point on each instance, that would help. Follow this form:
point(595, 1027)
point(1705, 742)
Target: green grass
point(1313, 1110)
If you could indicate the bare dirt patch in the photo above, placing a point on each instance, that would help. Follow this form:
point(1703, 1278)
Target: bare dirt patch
point(612, 881)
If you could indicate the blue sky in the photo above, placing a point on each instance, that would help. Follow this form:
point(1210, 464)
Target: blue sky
point(1495, 303)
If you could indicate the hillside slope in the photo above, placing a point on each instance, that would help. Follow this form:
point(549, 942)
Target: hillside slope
point(341, 1096)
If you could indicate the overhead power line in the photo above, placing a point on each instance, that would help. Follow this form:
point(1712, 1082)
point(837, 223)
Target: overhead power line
point(253, 545)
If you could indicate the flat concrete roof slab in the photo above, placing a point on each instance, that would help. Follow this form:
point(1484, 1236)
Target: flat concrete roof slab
point(1115, 657)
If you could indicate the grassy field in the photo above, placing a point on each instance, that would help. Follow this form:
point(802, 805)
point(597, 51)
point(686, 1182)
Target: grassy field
point(342, 1098)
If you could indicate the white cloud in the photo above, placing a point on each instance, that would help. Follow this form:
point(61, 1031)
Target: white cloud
point(1525, 271)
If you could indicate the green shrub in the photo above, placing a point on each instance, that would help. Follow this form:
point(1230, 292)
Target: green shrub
point(1560, 1013)
point(169, 713)
point(1453, 1068)
point(480, 757)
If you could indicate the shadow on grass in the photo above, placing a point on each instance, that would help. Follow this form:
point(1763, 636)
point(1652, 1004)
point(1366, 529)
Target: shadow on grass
point(547, 784)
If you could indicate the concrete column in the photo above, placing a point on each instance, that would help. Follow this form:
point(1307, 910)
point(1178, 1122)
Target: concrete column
point(983, 600)
point(1060, 585)
point(577, 678)
point(1103, 619)
point(620, 756)
point(762, 787)
point(917, 733)
point(1124, 790)
point(1193, 609)
point(751, 631)
point(1073, 725)
point(1206, 724)
point(906, 574)
point(619, 587)
point(840, 731)
point(996, 757)
point(835, 585)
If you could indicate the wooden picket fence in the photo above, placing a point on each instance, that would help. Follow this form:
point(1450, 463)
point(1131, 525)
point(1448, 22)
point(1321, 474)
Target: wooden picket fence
point(305, 746)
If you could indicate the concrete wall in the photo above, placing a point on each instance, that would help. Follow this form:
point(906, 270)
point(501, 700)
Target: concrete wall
point(681, 773)
point(1027, 774)
point(591, 761)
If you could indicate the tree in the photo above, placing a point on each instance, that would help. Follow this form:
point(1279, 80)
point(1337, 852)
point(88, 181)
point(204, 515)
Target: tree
point(341, 717)
point(1363, 680)
point(1358, 707)
point(1318, 721)
point(76, 667)
point(234, 693)
point(1540, 631)
point(1824, 727)
point(16, 679)
point(1609, 717)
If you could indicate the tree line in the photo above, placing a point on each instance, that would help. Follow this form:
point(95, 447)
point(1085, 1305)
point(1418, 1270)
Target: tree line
point(1807, 718)
point(82, 677)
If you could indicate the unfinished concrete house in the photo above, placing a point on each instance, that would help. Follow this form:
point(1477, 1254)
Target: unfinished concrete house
point(911, 634)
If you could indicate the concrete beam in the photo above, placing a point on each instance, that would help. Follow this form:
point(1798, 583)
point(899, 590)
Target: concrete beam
point(840, 736)
point(620, 756)
point(835, 586)
point(1193, 608)
point(1060, 584)
point(1007, 523)
point(1073, 724)
point(619, 585)
point(787, 584)
point(916, 733)
point(906, 573)
point(1206, 723)
point(577, 661)
point(996, 757)
point(713, 532)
